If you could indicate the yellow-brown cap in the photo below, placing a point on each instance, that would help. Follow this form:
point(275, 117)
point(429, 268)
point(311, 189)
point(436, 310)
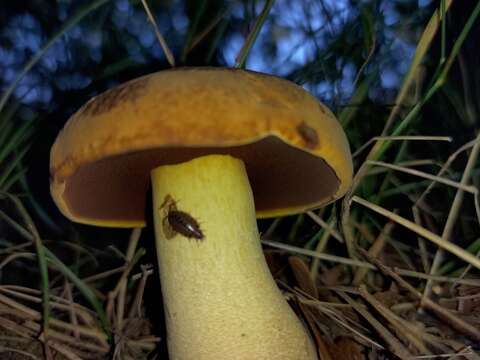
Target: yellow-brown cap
point(295, 151)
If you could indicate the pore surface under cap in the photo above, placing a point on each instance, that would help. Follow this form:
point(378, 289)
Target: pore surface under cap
point(295, 151)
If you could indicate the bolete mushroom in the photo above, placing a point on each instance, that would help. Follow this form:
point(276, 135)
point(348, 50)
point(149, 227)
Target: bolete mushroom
point(212, 142)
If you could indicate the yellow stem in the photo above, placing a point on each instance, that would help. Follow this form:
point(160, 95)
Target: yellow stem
point(221, 301)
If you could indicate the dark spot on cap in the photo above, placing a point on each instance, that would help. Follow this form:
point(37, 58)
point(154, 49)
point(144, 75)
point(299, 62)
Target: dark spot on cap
point(308, 134)
point(111, 98)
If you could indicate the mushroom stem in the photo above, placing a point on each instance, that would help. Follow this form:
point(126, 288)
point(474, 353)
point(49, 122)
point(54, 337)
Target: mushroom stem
point(220, 299)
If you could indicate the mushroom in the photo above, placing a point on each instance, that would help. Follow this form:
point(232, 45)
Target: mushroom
point(219, 147)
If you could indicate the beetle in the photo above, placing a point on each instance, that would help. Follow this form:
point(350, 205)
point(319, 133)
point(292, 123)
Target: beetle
point(176, 221)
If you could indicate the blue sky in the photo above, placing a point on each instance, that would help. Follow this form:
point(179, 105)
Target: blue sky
point(291, 27)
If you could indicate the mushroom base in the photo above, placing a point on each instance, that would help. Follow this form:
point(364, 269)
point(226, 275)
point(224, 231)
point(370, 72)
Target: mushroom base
point(221, 301)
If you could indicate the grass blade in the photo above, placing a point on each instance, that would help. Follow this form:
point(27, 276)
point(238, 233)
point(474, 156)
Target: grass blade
point(42, 261)
point(82, 287)
point(252, 37)
point(38, 55)
point(12, 164)
point(434, 238)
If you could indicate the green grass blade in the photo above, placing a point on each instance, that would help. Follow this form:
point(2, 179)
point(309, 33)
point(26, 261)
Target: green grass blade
point(82, 287)
point(349, 112)
point(422, 48)
point(449, 266)
point(42, 261)
point(252, 37)
point(222, 27)
point(17, 138)
point(38, 55)
point(13, 179)
point(5, 131)
point(438, 82)
point(192, 29)
point(443, 12)
point(20, 175)
point(405, 188)
point(12, 164)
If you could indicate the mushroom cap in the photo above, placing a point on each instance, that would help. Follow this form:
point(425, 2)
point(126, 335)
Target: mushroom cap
point(295, 151)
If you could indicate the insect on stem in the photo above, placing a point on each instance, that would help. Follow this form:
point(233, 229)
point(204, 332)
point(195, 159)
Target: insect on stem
point(179, 222)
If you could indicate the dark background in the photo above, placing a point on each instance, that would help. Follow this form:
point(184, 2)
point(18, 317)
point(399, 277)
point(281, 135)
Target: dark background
point(319, 44)
point(331, 47)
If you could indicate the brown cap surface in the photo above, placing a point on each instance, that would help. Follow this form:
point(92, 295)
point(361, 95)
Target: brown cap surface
point(295, 152)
